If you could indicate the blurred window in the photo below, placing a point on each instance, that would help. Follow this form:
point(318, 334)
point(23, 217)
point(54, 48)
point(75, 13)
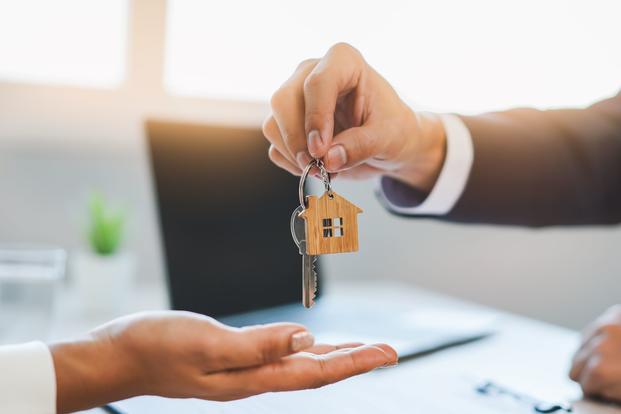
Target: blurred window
point(75, 42)
point(442, 54)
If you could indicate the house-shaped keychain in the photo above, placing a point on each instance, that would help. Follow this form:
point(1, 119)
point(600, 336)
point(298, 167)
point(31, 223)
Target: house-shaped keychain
point(331, 224)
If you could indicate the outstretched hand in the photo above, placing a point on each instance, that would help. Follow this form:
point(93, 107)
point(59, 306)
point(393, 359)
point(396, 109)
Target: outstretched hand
point(186, 355)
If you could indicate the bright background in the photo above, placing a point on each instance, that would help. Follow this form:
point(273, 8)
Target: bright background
point(78, 77)
point(444, 54)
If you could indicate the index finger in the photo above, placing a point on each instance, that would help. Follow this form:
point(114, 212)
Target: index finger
point(582, 356)
point(337, 73)
point(304, 370)
point(288, 115)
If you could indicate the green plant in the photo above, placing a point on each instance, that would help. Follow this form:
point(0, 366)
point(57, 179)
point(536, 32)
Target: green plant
point(106, 226)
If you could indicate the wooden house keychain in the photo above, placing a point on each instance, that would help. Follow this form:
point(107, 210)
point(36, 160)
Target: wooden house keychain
point(322, 225)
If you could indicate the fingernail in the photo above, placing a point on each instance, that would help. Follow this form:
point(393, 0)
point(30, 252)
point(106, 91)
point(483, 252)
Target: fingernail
point(314, 142)
point(337, 157)
point(301, 341)
point(390, 364)
point(303, 159)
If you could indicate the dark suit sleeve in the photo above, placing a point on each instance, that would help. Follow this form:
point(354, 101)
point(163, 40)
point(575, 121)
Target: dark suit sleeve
point(542, 168)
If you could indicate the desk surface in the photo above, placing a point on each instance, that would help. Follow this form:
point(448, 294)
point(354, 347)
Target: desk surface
point(527, 356)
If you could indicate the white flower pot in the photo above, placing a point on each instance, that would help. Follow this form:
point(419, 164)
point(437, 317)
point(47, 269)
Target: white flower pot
point(103, 282)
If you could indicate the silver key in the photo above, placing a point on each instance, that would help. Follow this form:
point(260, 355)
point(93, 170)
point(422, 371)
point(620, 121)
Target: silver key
point(309, 275)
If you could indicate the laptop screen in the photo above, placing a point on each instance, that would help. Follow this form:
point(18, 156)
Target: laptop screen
point(224, 213)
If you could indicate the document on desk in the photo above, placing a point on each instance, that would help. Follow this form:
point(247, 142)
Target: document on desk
point(382, 391)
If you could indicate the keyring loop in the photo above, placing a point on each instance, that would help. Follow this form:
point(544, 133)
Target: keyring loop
point(325, 178)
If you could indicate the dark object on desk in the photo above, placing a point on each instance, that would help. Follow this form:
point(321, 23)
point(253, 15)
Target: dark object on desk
point(490, 388)
point(110, 409)
point(224, 214)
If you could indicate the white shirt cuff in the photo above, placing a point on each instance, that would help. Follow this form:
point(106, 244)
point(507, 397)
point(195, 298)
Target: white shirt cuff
point(453, 177)
point(27, 379)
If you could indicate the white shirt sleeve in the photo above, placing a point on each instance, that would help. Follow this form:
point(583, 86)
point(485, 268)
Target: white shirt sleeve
point(27, 379)
point(453, 176)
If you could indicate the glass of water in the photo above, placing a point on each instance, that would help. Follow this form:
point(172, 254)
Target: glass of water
point(30, 276)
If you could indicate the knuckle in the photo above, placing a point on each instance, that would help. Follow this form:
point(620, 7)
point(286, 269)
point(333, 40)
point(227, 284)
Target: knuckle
point(306, 63)
point(294, 140)
point(600, 349)
point(272, 153)
point(313, 81)
point(315, 117)
point(268, 126)
point(365, 144)
point(281, 97)
point(345, 49)
point(598, 373)
point(607, 343)
point(609, 329)
point(258, 355)
point(269, 350)
point(321, 377)
point(573, 373)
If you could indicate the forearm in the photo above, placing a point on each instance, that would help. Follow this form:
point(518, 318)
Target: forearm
point(543, 168)
point(532, 168)
point(90, 373)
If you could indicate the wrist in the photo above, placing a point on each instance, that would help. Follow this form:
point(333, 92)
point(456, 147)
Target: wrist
point(424, 151)
point(91, 372)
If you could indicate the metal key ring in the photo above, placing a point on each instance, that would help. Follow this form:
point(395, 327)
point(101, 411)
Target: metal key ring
point(294, 215)
point(325, 178)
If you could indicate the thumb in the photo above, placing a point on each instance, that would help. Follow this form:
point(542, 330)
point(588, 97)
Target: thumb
point(336, 73)
point(352, 147)
point(262, 344)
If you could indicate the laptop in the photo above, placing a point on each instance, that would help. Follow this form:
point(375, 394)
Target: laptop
point(224, 212)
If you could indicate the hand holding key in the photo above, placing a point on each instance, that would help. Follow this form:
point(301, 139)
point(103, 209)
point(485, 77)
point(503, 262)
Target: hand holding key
point(340, 110)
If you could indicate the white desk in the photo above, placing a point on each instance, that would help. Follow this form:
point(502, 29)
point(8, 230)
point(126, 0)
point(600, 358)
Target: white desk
point(525, 355)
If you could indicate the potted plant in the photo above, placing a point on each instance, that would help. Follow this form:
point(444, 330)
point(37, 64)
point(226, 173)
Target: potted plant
point(103, 272)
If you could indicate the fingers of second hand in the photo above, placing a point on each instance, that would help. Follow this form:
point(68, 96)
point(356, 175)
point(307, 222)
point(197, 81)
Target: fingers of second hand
point(344, 363)
point(304, 370)
point(592, 347)
point(280, 160)
point(289, 121)
point(579, 360)
point(320, 349)
point(271, 131)
point(288, 111)
point(591, 379)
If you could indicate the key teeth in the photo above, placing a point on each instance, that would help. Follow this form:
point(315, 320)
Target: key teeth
point(313, 288)
point(314, 279)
